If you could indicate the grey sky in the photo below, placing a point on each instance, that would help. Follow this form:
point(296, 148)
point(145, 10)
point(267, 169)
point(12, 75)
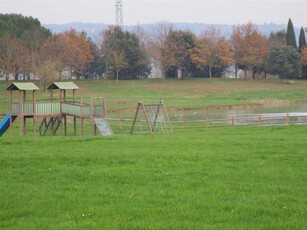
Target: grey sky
point(151, 11)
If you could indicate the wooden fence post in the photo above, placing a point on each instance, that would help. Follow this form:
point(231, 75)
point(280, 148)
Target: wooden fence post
point(120, 123)
point(259, 120)
point(184, 124)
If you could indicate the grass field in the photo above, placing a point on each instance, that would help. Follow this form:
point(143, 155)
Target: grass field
point(210, 178)
point(182, 93)
point(216, 178)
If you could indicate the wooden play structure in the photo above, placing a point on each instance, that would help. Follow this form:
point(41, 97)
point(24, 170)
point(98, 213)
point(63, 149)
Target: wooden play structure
point(154, 115)
point(53, 114)
point(51, 117)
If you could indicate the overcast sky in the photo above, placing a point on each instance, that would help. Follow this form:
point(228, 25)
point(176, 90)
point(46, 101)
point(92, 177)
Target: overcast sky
point(152, 11)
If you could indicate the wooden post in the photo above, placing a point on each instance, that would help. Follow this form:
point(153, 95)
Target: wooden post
point(24, 125)
point(34, 114)
point(64, 92)
point(73, 95)
point(75, 126)
point(20, 113)
point(81, 107)
point(184, 124)
point(82, 124)
point(61, 96)
point(259, 120)
point(65, 125)
point(92, 118)
point(104, 106)
point(11, 110)
point(135, 117)
point(233, 120)
point(287, 119)
point(120, 122)
point(52, 126)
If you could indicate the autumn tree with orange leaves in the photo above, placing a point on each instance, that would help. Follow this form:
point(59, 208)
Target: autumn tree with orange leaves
point(212, 50)
point(249, 47)
point(76, 52)
point(12, 55)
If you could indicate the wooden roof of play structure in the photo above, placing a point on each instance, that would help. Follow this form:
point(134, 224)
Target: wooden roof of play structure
point(63, 85)
point(26, 86)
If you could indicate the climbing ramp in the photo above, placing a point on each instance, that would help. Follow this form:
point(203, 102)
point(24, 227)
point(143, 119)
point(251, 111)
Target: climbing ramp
point(103, 126)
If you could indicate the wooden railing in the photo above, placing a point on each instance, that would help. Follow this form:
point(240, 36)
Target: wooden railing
point(51, 108)
point(38, 108)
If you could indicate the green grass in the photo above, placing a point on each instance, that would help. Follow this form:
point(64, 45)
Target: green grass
point(217, 178)
point(210, 178)
point(180, 93)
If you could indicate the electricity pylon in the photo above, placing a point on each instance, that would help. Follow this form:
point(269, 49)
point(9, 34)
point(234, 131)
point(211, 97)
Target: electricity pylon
point(119, 13)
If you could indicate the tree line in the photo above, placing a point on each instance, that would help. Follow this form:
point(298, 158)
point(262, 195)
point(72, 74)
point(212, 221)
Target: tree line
point(29, 49)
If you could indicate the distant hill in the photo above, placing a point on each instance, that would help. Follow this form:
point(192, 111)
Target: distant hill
point(93, 29)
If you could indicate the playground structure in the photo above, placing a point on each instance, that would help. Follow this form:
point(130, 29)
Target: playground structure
point(155, 115)
point(145, 118)
point(51, 117)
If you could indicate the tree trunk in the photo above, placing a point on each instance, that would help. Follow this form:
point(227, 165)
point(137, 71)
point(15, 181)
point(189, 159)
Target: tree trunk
point(163, 72)
point(16, 77)
point(254, 72)
point(107, 66)
point(70, 73)
point(117, 76)
point(210, 71)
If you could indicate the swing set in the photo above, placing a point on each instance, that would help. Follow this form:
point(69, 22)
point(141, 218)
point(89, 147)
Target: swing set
point(156, 117)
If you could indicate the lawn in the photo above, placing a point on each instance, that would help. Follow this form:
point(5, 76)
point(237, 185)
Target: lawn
point(210, 178)
point(182, 93)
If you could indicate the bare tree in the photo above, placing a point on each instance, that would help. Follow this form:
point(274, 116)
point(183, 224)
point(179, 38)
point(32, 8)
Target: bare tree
point(159, 34)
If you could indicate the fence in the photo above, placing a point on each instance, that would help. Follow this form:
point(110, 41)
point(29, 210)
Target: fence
point(241, 120)
point(123, 125)
point(247, 120)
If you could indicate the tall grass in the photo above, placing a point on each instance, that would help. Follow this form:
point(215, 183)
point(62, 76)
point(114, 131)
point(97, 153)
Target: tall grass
point(217, 178)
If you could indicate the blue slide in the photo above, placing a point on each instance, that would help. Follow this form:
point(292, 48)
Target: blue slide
point(5, 124)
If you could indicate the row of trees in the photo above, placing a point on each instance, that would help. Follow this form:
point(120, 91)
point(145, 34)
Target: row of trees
point(28, 48)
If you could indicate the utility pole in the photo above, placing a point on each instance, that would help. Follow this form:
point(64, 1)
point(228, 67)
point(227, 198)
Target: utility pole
point(119, 13)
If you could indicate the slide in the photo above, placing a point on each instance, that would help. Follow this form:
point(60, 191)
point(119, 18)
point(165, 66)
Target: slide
point(103, 127)
point(5, 124)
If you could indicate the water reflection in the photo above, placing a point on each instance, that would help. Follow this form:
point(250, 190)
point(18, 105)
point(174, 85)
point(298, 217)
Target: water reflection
point(193, 115)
